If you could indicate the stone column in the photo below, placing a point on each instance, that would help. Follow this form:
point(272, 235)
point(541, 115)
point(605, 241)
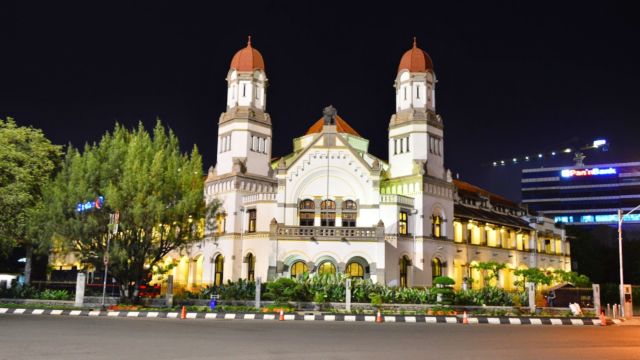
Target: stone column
point(80, 283)
point(170, 291)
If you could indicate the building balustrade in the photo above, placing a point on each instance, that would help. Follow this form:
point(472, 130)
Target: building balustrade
point(247, 199)
point(396, 199)
point(285, 232)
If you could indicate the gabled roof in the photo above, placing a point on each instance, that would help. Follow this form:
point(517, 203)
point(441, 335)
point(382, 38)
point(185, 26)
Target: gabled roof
point(464, 186)
point(341, 127)
point(467, 212)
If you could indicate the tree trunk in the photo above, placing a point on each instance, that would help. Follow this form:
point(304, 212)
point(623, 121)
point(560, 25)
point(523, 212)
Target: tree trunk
point(27, 264)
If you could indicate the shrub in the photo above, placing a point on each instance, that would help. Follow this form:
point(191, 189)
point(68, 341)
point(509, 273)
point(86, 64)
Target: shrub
point(49, 294)
point(444, 281)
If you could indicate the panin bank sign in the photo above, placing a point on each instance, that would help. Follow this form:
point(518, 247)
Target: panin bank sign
point(588, 172)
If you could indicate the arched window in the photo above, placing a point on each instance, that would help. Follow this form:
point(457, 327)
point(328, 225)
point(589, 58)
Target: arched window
point(221, 222)
point(436, 226)
point(349, 213)
point(436, 268)
point(328, 213)
point(326, 268)
point(298, 268)
point(355, 270)
point(219, 267)
point(404, 270)
point(251, 267)
point(307, 212)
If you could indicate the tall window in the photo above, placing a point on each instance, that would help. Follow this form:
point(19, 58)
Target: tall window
point(328, 213)
point(436, 226)
point(355, 270)
point(298, 269)
point(349, 213)
point(219, 267)
point(404, 267)
point(307, 212)
point(252, 220)
point(326, 268)
point(402, 222)
point(436, 268)
point(251, 267)
point(221, 221)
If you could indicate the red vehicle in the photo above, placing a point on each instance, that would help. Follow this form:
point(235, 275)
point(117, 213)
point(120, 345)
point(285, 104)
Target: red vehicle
point(146, 290)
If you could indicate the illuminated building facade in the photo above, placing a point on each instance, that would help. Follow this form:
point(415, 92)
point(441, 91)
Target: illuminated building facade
point(583, 195)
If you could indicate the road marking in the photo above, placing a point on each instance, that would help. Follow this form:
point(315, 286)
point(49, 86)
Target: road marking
point(494, 321)
point(309, 317)
point(56, 312)
point(94, 313)
point(38, 311)
point(535, 321)
point(410, 319)
point(18, 311)
point(152, 314)
point(329, 318)
point(515, 321)
point(133, 313)
point(556, 321)
point(430, 319)
point(596, 322)
point(229, 316)
point(451, 320)
point(349, 318)
point(367, 318)
point(210, 316)
point(269, 317)
point(389, 319)
point(473, 320)
point(290, 317)
point(3, 310)
point(172, 315)
point(113, 313)
point(75, 312)
point(191, 315)
point(249, 316)
point(577, 322)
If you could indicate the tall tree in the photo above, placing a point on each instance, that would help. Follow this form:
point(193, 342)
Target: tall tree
point(156, 189)
point(27, 161)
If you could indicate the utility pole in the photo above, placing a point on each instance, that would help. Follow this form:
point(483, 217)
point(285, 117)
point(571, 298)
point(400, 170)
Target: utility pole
point(114, 220)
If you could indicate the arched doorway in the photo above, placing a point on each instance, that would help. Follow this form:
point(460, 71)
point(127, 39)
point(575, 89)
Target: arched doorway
point(218, 270)
point(326, 267)
point(436, 268)
point(298, 269)
point(404, 271)
point(251, 267)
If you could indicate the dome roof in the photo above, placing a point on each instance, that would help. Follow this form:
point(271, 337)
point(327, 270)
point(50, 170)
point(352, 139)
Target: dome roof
point(415, 60)
point(341, 127)
point(247, 59)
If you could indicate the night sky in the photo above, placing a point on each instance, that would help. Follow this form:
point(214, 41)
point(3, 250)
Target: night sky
point(514, 79)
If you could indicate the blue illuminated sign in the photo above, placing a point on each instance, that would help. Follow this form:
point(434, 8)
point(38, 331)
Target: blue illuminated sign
point(90, 205)
point(588, 172)
point(602, 218)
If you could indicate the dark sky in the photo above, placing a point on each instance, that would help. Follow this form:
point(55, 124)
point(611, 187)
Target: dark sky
point(514, 78)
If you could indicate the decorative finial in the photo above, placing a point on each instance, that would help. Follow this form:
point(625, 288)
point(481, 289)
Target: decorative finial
point(249, 40)
point(329, 114)
point(414, 41)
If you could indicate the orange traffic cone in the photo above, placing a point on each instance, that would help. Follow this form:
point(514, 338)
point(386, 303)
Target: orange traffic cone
point(281, 315)
point(379, 317)
point(183, 315)
point(465, 319)
point(603, 319)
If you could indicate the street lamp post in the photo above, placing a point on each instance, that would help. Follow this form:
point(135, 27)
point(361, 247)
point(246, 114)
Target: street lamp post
point(620, 218)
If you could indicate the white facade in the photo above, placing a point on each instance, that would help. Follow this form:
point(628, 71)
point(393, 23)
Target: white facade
point(331, 206)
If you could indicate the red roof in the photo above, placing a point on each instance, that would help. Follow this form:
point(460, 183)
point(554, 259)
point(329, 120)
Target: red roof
point(465, 186)
point(415, 60)
point(341, 126)
point(247, 59)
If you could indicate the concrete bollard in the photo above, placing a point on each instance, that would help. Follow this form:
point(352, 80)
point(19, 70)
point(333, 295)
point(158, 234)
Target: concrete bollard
point(348, 295)
point(170, 291)
point(81, 280)
point(258, 295)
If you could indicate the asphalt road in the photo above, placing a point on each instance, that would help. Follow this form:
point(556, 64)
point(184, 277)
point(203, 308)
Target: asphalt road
point(64, 337)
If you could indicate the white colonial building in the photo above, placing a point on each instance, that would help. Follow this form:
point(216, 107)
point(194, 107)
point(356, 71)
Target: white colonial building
point(331, 206)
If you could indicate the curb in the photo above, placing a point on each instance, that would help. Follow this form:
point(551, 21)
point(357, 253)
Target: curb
point(497, 320)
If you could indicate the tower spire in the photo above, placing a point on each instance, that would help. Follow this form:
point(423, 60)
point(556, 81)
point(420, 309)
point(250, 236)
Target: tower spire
point(415, 42)
point(249, 40)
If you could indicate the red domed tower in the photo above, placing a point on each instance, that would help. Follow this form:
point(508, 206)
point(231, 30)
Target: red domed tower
point(244, 131)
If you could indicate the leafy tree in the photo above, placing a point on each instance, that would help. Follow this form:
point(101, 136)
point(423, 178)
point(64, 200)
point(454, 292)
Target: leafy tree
point(561, 276)
point(156, 189)
point(533, 275)
point(490, 270)
point(27, 161)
